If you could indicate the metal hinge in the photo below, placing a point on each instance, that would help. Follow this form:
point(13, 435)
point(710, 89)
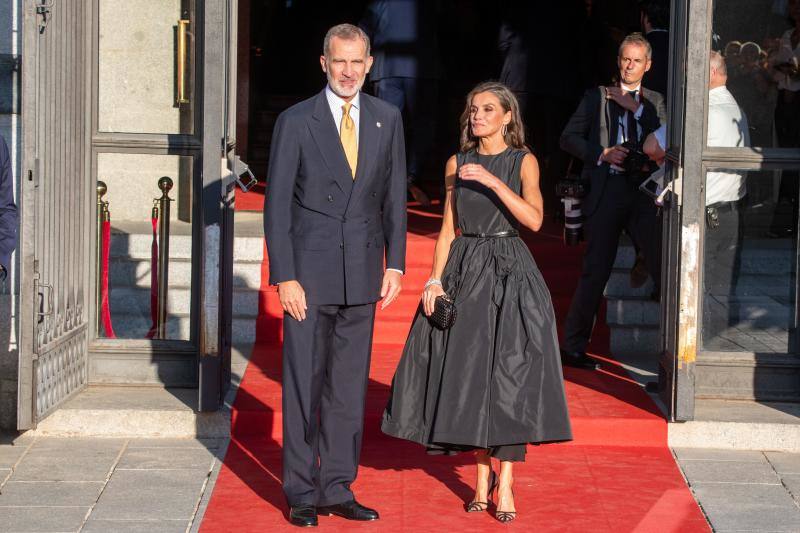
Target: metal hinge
point(43, 9)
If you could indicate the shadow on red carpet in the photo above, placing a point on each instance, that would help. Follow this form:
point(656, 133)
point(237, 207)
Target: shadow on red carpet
point(617, 475)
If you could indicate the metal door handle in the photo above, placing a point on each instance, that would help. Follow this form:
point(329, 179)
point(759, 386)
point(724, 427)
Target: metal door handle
point(183, 26)
point(49, 300)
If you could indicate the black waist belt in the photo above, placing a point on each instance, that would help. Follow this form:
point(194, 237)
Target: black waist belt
point(498, 235)
point(723, 207)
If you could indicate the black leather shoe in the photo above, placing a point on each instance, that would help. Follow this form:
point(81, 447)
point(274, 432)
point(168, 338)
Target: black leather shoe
point(351, 510)
point(303, 516)
point(578, 360)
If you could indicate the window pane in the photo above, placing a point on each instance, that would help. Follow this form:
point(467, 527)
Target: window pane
point(132, 182)
point(139, 66)
point(761, 53)
point(750, 262)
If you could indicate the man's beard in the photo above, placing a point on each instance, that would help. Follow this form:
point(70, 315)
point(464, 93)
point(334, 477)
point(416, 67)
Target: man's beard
point(341, 91)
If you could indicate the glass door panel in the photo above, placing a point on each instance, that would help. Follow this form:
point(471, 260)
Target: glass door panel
point(146, 54)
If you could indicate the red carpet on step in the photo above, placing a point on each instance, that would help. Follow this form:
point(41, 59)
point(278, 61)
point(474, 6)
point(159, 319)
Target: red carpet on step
point(617, 475)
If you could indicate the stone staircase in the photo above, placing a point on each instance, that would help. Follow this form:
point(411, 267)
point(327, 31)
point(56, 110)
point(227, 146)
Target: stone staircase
point(747, 363)
point(129, 280)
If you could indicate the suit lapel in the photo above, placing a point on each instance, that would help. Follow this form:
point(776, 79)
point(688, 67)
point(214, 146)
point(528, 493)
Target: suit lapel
point(368, 139)
point(326, 136)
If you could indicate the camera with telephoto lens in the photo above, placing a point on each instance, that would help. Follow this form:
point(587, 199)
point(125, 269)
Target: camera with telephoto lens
point(637, 164)
point(572, 189)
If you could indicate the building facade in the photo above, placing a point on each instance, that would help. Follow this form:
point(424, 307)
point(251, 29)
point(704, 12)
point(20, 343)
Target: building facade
point(128, 92)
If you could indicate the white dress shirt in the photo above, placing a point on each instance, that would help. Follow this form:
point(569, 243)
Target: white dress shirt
point(336, 103)
point(727, 126)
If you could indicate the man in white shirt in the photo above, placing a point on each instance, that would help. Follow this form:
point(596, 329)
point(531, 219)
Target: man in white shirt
point(727, 126)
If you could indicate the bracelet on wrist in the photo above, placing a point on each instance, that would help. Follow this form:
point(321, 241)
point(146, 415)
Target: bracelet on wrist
point(432, 281)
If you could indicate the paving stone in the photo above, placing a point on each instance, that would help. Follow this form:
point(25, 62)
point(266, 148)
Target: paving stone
point(69, 460)
point(165, 458)
point(792, 484)
point(729, 472)
point(747, 507)
point(55, 493)
point(712, 454)
point(4, 474)
point(784, 463)
point(9, 455)
point(42, 519)
point(208, 444)
point(156, 494)
point(135, 526)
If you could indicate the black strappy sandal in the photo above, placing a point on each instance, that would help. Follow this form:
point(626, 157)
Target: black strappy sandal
point(506, 517)
point(477, 507)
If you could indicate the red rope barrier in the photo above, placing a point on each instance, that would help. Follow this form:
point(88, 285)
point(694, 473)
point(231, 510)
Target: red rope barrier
point(154, 280)
point(104, 306)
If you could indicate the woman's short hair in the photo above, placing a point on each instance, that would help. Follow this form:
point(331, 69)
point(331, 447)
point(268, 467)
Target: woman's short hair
point(515, 130)
point(347, 32)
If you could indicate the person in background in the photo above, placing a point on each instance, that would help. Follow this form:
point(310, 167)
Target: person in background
point(606, 118)
point(406, 73)
point(725, 189)
point(655, 25)
point(8, 211)
point(785, 65)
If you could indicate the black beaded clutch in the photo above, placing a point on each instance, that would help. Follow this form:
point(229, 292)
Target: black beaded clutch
point(444, 313)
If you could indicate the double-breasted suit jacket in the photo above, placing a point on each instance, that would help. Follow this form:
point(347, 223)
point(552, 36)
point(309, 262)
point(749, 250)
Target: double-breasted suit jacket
point(324, 228)
point(595, 126)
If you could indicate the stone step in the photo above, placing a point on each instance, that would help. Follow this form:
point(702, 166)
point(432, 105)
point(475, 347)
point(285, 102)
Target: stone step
point(633, 312)
point(759, 256)
point(132, 272)
point(178, 327)
point(136, 301)
point(748, 376)
point(729, 424)
point(634, 340)
point(134, 412)
point(139, 246)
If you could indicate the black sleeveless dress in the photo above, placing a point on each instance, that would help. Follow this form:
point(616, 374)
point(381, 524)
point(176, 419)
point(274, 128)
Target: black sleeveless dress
point(495, 377)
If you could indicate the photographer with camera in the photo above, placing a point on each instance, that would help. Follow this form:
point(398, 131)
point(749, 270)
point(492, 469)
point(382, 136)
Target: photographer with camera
point(606, 132)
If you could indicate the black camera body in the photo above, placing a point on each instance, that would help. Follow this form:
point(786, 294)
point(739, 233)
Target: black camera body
point(637, 164)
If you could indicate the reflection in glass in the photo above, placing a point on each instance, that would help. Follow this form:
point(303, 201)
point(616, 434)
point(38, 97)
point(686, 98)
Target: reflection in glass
point(749, 277)
point(759, 39)
point(132, 182)
point(140, 58)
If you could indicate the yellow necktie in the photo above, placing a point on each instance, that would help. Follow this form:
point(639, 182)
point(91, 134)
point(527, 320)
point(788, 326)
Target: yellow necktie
point(347, 134)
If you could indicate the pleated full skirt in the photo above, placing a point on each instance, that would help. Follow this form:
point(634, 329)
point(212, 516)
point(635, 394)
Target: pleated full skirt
point(495, 377)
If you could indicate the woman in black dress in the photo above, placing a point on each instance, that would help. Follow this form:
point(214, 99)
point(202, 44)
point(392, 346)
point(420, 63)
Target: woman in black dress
point(493, 381)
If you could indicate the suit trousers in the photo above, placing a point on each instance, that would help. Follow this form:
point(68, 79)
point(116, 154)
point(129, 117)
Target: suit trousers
point(325, 371)
point(721, 261)
point(622, 207)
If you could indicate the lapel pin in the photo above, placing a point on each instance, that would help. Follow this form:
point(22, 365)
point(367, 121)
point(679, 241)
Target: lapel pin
point(378, 124)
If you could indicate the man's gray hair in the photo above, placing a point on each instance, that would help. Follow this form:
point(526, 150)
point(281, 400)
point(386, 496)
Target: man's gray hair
point(639, 40)
point(344, 31)
point(717, 62)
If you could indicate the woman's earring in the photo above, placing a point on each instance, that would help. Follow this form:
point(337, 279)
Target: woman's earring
point(504, 130)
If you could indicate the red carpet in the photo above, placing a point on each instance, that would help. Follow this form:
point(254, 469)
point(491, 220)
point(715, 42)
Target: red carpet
point(617, 475)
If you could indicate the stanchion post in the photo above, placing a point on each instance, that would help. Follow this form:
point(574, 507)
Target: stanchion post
point(165, 184)
point(102, 209)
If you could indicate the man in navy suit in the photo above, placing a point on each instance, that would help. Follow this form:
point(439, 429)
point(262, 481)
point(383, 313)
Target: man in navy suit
point(335, 210)
point(8, 211)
